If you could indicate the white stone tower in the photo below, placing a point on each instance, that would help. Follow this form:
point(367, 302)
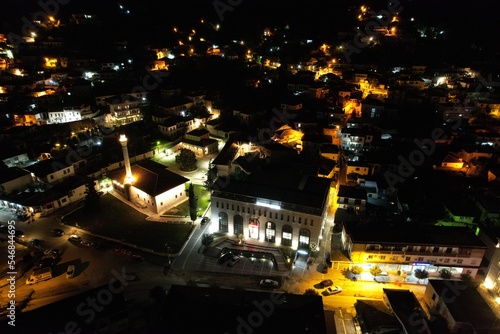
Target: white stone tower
point(126, 160)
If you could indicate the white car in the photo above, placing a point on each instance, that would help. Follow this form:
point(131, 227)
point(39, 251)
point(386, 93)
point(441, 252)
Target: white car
point(333, 290)
point(87, 243)
point(74, 238)
point(268, 283)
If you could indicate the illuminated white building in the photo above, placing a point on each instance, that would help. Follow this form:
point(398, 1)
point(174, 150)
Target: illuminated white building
point(147, 184)
point(405, 248)
point(284, 207)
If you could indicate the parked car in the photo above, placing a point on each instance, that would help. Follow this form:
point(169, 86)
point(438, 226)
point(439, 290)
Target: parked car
point(36, 242)
point(326, 283)
point(48, 261)
point(52, 251)
point(268, 283)
point(58, 232)
point(224, 258)
point(232, 261)
point(205, 220)
point(75, 238)
point(86, 243)
point(100, 247)
point(333, 290)
point(70, 271)
point(137, 258)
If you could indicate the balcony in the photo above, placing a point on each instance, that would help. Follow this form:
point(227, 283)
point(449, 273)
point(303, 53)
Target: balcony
point(408, 253)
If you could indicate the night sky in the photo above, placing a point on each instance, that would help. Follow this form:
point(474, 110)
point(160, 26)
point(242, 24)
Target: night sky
point(465, 21)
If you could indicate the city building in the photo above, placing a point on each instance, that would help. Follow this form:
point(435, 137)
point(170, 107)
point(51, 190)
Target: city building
point(148, 184)
point(281, 205)
point(403, 248)
point(461, 305)
point(199, 142)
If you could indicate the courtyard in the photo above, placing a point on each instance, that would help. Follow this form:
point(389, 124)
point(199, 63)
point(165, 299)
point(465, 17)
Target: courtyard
point(117, 220)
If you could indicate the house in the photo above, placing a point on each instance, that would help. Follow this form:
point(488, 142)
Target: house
point(407, 309)
point(13, 157)
point(330, 151)
point(351, 198)
point(280, 204)
point(403, 248)
point(248, 115)
point(375, 316)
point(451, 161)
point(372, 108)
point(412, 82)
point(123, 110)
point(153, 188)
point(356, 140)
point(223, 162)
point(216, 130)
point(52, 170)
point(14, 180)
point(174, 127)
point(455, 111)
point(484, 137)
point(462, 306)
point(314, 141)
point(356, 168)
point(199, 142)
point(287, 135)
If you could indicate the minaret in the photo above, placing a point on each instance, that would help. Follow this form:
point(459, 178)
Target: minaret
point(128, 171)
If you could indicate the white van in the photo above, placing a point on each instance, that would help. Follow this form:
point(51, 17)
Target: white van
point(40, 275)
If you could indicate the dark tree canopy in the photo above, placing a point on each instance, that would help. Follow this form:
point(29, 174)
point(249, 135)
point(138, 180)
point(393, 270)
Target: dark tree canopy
point(186, 160)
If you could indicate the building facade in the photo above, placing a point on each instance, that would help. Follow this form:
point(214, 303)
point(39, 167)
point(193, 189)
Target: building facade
point(281, 216)
point(406, 248)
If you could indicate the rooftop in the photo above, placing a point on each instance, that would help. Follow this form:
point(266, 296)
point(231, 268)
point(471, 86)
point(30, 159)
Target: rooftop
point(151, 177)
point(413, 234)
point(229, 311)
point(466, 305)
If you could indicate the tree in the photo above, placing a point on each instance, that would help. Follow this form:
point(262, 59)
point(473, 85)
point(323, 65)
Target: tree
point(211, 177)
point(375, 271)
point(356, 270)
point(445, 273)
point(92, 197)
point(186, 160)
point(207, 239)
point(421, 274)
point(465, 277)
point(193, 203)
point(311, 292)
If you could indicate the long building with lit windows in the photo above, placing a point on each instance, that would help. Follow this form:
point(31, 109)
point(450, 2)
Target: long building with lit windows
point(285, 206)
point(404, 248)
